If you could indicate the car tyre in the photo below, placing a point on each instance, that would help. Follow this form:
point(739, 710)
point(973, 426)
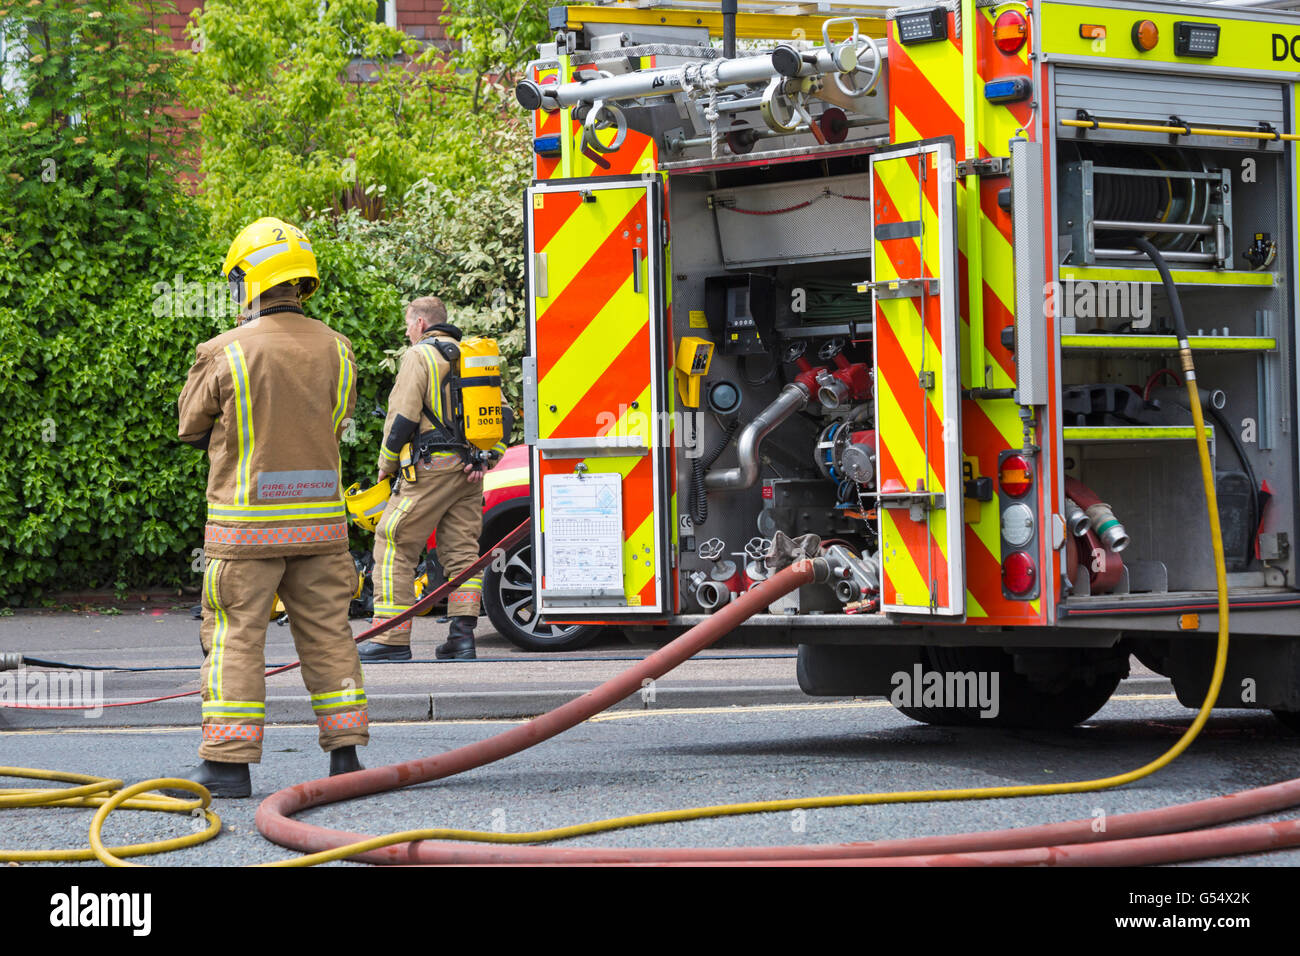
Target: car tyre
point(508, 601)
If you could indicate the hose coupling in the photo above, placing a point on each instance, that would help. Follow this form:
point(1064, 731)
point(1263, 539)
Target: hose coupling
point(852, 578)
point(1076, 519)
point(1107, 527)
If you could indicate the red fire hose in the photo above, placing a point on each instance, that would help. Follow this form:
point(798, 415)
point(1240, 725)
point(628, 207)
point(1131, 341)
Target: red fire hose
point(1153, 836)
point(273, 816)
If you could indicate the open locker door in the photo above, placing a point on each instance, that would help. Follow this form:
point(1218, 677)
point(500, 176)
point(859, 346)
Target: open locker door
point(594, 394)
point(917, 344)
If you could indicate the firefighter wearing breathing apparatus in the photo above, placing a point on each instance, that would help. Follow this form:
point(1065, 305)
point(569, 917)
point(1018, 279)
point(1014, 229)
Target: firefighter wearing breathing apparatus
point(268, 401)
point(444, 428)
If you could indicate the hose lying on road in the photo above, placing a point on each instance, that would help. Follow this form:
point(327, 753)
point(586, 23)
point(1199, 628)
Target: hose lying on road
point(107, 795)
point(274, 816)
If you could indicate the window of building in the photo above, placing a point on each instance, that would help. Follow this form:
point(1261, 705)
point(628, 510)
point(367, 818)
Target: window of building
point(10, 52)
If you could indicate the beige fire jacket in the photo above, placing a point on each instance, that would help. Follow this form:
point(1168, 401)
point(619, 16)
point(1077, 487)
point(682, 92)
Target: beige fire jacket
point(268, 400)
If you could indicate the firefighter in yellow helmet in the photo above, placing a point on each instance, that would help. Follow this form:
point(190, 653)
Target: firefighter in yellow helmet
point(446, 493)
point(268, 401)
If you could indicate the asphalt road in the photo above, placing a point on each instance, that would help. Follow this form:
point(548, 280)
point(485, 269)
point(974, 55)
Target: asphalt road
point(647, 760)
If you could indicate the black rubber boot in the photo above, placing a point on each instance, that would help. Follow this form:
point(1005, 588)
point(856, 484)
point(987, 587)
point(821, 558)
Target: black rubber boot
point(374, 651)
point(460, 643)
point(344, 760)
point(229, 780)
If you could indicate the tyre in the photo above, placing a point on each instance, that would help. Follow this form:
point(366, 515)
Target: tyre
point(1066, 700)
point(1290, 719)
point(508, 601)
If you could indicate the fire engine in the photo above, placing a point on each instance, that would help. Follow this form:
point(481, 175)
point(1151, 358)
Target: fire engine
point(875, 282)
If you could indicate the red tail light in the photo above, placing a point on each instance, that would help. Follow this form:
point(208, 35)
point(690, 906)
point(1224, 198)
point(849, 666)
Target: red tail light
point(1010, 31)
point(1016, 476)
point(1019, 573)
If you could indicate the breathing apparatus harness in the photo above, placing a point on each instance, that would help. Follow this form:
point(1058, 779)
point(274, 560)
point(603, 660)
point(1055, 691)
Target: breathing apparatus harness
point(452, 437)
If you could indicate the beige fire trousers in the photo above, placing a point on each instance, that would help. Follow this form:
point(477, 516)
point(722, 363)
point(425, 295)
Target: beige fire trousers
point(237, 598)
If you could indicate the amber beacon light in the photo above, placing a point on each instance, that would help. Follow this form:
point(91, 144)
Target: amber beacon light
point(1145, 35)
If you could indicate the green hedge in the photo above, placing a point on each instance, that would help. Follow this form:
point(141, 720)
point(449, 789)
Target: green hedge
point(95, 489)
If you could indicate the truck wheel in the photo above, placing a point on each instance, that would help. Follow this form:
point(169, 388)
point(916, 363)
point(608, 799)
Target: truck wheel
point(508, 601)
point(1019, 702)
point(1290, 719)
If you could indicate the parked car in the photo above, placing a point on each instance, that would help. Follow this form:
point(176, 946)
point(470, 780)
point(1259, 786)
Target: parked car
point(507, 581)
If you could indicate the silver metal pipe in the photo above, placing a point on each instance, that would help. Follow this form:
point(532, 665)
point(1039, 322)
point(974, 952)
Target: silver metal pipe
point(711, 595)
point(855, 122)
point(1113, 534)
point(1133, 226)
point(852, 578)
point(665, 82)
point(1077, 521)
point(1171, 256)
point(831, 392)
point(792, 398)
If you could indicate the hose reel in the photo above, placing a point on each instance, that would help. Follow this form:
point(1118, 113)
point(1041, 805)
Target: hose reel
point(1175, 199)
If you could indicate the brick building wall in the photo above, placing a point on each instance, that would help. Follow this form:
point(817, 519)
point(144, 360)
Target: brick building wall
point(418, 18)
point(177, 21)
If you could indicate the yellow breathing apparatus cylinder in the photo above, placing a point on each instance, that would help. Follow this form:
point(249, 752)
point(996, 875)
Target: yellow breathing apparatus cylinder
point(479, 374)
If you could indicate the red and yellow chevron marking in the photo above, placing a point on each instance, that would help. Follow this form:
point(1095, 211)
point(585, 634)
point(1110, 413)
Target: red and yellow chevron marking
point(909, 343)
point(927, 100)
point(546, 124)
point(638, 154)
point(595, 365)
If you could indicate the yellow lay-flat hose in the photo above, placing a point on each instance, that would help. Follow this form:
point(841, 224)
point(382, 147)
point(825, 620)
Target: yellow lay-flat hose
point(123, 798)
point(106, 795)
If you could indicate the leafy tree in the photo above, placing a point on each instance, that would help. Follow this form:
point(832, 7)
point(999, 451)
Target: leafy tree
point(286, 133)
point(108, 279)
point(88, 169)
point(497, 39)
point(109, 268)
point(474, 261)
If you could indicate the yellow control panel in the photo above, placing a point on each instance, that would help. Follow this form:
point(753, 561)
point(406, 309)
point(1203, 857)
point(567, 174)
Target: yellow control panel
point(694, 355)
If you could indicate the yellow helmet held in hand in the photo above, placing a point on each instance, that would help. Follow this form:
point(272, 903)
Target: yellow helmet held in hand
point(367, 507)
point(265, 254)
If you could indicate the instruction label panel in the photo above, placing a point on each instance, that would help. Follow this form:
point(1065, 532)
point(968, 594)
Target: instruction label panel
point(583, 537)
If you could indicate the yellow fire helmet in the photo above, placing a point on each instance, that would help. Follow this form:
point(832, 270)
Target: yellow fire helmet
point(367, 507)
point(266, 253)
